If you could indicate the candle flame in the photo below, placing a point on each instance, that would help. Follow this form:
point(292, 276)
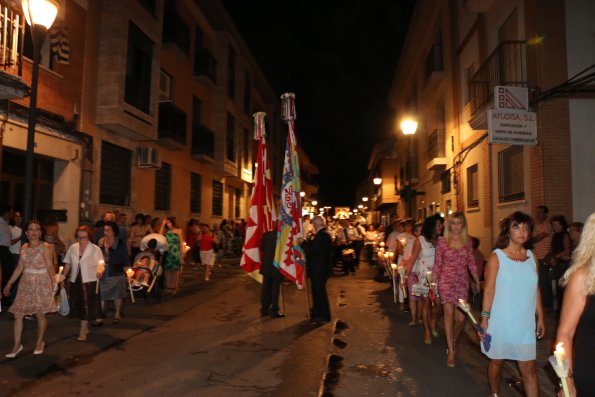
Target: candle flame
point(393, 265)
point(560, 347)
point(130, 272)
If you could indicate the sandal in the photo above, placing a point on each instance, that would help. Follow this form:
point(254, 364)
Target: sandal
point(450, 362)
point(116, 321)
point(97, 323)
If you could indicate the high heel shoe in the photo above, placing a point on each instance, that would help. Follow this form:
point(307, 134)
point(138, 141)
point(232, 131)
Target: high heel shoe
point(40, 351)
point(450, 362)
point(13, 355)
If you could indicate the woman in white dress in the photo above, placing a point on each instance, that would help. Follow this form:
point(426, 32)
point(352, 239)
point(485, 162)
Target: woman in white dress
point(419, 270)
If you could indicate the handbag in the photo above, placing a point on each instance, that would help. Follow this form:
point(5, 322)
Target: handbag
point(63, 307)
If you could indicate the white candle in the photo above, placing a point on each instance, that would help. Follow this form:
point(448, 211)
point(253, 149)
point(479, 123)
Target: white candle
point(60, 270)
point(129, 272)
point(560, 358)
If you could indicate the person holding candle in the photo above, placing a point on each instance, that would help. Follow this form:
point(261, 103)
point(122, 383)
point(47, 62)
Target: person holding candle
point(511, 310)
point(36, 287)
point(452, 265)
point(112, 282)
point(173, 258)
point(80, 268)
point(419, 264)
point(577, 319)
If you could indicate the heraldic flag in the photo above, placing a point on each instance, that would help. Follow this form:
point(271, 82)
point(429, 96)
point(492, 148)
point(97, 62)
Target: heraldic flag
point(289, 257)
point(262, 213)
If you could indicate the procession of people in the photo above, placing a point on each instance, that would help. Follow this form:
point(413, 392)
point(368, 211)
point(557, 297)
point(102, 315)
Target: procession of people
point(438, 258)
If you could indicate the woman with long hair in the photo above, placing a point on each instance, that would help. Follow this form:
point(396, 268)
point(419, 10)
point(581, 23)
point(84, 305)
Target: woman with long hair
point(35, 293)
point(136, 233)
point(512, 303)
point(577, 320)
point(80, 263)
point(454, 261)
point(419, 264)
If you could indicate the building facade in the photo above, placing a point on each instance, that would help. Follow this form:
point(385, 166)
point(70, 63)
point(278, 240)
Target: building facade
point(456, 52)
point(152, 114)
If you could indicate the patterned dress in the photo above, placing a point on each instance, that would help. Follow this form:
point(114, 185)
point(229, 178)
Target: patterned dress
point(172, 260)
point(423, 264)
point(451, 269)
point(35, 292)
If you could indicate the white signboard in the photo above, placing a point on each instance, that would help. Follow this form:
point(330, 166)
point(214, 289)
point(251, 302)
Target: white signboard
point(512, 127)
point(506, 97)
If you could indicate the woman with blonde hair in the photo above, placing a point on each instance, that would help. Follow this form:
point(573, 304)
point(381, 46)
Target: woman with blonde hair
point(453, 262)
point(577, 319)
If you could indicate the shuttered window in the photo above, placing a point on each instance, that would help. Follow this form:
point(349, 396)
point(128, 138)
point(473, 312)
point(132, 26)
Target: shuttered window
point(238, 195)
point(217, 198)
point(473, 186)
point(163, 187)
point(195, 193)
point(511, 186)
point(116, 163)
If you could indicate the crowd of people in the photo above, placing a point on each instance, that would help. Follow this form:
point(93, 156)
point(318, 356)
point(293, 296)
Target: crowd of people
point(536, 265)
point(100, 266)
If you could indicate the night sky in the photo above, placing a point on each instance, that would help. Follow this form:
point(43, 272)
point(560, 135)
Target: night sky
point(339, 58)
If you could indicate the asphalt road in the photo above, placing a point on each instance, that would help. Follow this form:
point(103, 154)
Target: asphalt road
point(210, 341)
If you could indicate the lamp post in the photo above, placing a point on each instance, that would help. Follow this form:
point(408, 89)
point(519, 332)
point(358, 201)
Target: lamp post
point(40, 15)
point(409, 126)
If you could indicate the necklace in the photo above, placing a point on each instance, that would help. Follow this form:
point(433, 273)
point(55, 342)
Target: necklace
point(517, 257)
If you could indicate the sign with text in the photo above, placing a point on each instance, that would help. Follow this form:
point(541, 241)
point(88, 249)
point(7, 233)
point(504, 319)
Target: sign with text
point(512, 127)
point(506, 97)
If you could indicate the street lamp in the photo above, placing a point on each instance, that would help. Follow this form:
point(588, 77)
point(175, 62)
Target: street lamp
point(409, 126)
point(302, 194)
point(364, 199)
point(40, 15)
point(377, 181)
point(314, 203)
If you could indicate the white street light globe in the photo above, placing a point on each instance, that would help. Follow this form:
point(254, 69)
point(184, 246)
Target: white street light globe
point(302, 194)
point(408, 126)
point(364, 199)
point(377, 181)
point(360, 206)
point(314, 203)
point(40, 12)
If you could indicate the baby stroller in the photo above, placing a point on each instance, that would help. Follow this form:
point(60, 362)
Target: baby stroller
point(147, 269)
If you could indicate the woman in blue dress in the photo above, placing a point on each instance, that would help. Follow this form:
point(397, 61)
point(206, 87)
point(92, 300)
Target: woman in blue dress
point(511, 302)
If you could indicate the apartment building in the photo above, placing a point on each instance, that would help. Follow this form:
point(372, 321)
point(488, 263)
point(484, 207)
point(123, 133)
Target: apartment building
point(456, 52)
point(158, 98)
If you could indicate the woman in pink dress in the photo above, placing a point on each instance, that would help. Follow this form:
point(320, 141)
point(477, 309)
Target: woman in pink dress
point(454, 260)
point(35, 293)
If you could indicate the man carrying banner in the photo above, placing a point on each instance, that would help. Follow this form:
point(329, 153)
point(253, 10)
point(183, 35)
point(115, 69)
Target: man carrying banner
point(271, 278)
point(319, 251)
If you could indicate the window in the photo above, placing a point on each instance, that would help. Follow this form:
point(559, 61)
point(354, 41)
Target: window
point(238, 196)
point(139, 63)
point(248, 93)
point(510, 175)
point(247, 146)
point(230, 148)
point(116, 163)
point(163, 187)
point(231, 73)
point(195, 193)
point(445, 180)
point(196, 112)
point(217, 198)
point(473, 187)
point(468, 89)
point(434, 62)
point(166, 86)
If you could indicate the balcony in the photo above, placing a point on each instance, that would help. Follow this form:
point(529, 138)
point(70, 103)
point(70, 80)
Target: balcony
point(172, 127)
point(176, 35)
point(507, 66)
point(435, 150)
point(203, 144)
point(205, 65)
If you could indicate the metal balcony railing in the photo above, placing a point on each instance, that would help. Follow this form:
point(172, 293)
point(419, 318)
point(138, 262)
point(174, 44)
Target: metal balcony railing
point(436, 144)
point(172, 124)
point(12, 31)
point(506, 65)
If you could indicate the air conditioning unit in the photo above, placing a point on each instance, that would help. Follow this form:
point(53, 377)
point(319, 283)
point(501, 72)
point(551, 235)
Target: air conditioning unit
point(165, 86)
point(148, 157)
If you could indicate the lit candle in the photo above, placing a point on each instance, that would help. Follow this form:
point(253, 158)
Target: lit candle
point(382, 243)
point(60, 270)
point(101, 266)
point(393, 266)
point(129, 272)
point(560, 359)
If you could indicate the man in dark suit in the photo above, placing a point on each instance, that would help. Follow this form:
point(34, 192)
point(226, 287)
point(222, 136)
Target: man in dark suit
point(319, 252)
point(271, 278)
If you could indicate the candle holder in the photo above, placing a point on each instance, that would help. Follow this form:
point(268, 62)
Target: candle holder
point(560, 364)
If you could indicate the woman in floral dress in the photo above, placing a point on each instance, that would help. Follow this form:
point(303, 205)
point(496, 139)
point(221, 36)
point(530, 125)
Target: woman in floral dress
point(172, 259)
point(35, 293)
point(454, 261)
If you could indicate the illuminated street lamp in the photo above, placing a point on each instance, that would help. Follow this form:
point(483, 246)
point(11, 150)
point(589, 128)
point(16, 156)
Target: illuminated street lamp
point(364, 199)
point(40, 15)
point(409, 126)
point(360, 206)
point(302, 194)
point(314, 203)
point(377, 181)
